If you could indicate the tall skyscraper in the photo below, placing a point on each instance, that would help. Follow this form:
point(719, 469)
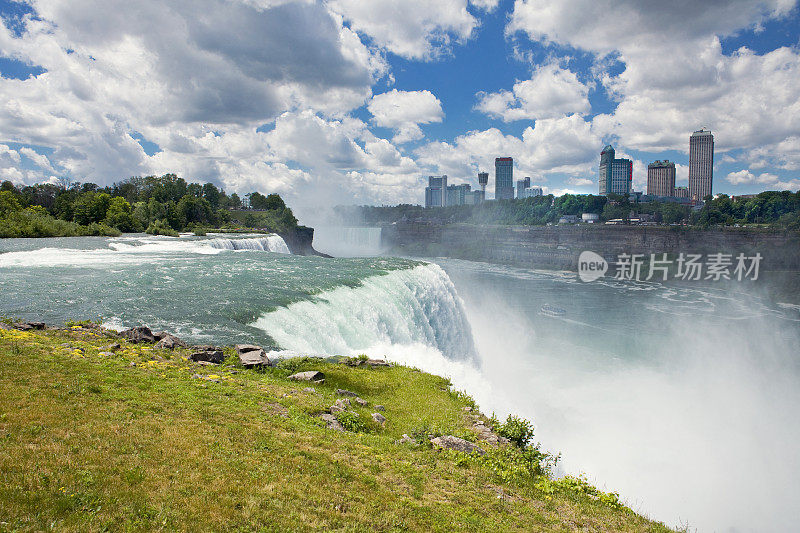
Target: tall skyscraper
point(661, 178)
point(604, 175)
point(522, 186)
point(436, 191)
point(504, 178)
point(615, 175)
point(701, 165)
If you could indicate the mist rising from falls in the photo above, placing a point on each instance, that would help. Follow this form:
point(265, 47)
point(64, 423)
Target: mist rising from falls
point(342, 241)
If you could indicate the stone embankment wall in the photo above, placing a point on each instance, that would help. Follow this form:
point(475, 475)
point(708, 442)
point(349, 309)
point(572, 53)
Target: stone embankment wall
point(559, 246)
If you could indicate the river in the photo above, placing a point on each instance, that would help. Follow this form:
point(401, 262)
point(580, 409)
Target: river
point(681, 399)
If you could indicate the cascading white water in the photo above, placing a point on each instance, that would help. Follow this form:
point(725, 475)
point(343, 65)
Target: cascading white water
point(411, 307)
point(270, 243)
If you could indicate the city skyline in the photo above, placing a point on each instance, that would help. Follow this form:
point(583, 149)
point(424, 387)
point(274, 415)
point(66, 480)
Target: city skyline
point(346, 100)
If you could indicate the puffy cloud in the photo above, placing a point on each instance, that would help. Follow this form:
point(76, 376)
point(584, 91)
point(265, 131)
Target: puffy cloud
point(174, 74)
point(485, 5)
point(771, 181)
point(414, 29)
point(11, 168)
point(404, 111)
point(551, 92)
point(607, 26)
point(581, 182)
point(785, 154)
point(559, 145)
point(676, 77)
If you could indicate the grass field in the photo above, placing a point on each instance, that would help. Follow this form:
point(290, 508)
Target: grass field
point(146, 440)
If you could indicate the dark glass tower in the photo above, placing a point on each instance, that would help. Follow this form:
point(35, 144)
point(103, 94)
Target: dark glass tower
point(504, 178)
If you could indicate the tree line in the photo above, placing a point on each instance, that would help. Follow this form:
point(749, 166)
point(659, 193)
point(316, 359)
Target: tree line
point(157, 204)
point(772, 208)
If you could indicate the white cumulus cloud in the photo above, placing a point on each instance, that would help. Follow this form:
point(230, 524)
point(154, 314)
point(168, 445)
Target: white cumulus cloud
point(404, 111)
point(551, 92)
point(414, 29)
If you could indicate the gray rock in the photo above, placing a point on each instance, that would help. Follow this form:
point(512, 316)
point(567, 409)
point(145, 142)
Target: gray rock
point(405, 439)
point(310, 375)
point(138, 334)
point(106, 354)
point(113, 347)
point(205, 347)
point(378, 362)
point(242, 348)
point(379, 418)
point(210, 356)
point(454, 443)
point(342, 392)
point(310, 389)
point(168, 341)
point(336, 409)
point(251, 355)
point(27, 326)
point(344, 403)
point(380, 408)
point(331, 422)
point(360, 401)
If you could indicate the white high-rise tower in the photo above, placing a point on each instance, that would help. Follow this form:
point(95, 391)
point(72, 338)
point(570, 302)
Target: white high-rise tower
point(701, 165)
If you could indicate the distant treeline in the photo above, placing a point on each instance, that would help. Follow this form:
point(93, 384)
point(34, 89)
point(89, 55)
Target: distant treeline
point(781, 209)
point(158, 205)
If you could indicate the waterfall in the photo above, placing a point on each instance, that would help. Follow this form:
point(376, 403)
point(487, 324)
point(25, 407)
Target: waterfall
point(409, 310)
point(270, 243)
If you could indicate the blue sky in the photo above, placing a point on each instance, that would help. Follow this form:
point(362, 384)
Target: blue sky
point(356, 102)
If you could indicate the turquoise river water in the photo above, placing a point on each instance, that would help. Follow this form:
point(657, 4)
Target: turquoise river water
point(682, 399)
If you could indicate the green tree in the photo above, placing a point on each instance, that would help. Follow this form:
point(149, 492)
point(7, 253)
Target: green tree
point(212, 195)
point(119, 215)
point(8, 203)
point(91, 207)
point(194, 210)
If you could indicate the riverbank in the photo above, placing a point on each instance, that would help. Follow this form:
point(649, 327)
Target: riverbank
point(98, 432)
point(558, 247)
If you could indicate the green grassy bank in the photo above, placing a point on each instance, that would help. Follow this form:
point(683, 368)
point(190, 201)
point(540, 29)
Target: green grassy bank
point(144, 439)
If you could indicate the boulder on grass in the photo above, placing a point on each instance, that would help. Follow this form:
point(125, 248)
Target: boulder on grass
point(27, 326)
point(331, 421)
point(343, 392)
point(138, 334)
point(310, 375)
point(379, 418)
point(251, 355)
point(168, 341)
point(454, 443)
point(208, 356)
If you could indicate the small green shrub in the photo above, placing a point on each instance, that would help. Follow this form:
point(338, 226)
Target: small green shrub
point(351, 422)
point(518, 430)
point(160, 227)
